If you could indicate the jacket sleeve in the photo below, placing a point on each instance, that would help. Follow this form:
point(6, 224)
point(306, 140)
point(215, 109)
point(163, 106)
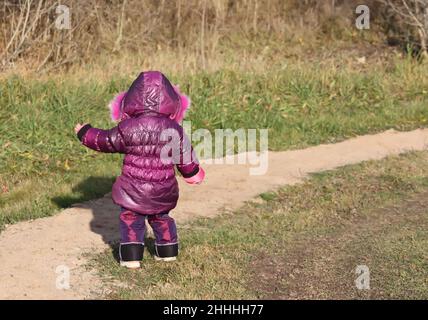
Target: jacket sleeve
point(109, 141)
point(189, 164)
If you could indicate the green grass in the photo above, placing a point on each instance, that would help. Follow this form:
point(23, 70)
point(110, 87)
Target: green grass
point(303, 242)
point(301, 104)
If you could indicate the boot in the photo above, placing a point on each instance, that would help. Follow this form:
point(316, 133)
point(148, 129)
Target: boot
point(167, 252)
point(131, 255)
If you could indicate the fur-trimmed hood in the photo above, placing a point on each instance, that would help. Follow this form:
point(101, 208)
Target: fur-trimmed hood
point(150, 93)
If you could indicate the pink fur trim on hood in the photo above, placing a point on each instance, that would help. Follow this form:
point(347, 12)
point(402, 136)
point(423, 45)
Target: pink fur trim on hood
point(184, 105)
point(115, 106)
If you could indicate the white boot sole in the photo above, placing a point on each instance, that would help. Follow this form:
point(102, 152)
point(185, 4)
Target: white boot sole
point(130, 264)
point(166, 259)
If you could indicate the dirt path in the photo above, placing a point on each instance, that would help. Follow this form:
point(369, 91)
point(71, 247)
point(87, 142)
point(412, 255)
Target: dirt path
point(31, 251)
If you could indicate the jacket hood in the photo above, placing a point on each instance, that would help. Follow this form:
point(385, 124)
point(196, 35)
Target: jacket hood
point(150, 93)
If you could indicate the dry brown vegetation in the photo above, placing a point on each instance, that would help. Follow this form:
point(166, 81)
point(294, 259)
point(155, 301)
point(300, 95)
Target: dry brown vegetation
point(408, 20)
point(196, 32)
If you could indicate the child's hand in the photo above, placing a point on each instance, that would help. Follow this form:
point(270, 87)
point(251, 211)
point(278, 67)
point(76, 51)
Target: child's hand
point(196, 179)
point(78, 127)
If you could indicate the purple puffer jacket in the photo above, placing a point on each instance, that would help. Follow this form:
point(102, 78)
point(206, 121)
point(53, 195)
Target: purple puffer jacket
point(147, 184)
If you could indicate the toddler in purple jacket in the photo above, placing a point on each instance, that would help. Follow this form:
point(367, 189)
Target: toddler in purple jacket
point(153, 141)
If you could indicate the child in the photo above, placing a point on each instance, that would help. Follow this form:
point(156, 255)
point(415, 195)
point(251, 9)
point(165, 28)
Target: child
point(149, 114)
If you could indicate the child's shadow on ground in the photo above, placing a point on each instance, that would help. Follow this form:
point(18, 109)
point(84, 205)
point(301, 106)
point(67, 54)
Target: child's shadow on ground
point(105, 220)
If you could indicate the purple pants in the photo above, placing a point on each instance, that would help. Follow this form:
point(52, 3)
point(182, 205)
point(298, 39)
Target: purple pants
point(133, 228)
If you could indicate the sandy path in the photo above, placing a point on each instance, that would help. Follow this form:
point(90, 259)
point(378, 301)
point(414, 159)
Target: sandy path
point(31, 251)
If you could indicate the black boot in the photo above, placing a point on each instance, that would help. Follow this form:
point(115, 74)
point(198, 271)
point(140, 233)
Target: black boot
point(131, 254)
point(167, 252)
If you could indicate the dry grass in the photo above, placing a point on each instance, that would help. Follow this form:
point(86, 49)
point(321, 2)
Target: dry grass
point(304, 242)
point(195, 33)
